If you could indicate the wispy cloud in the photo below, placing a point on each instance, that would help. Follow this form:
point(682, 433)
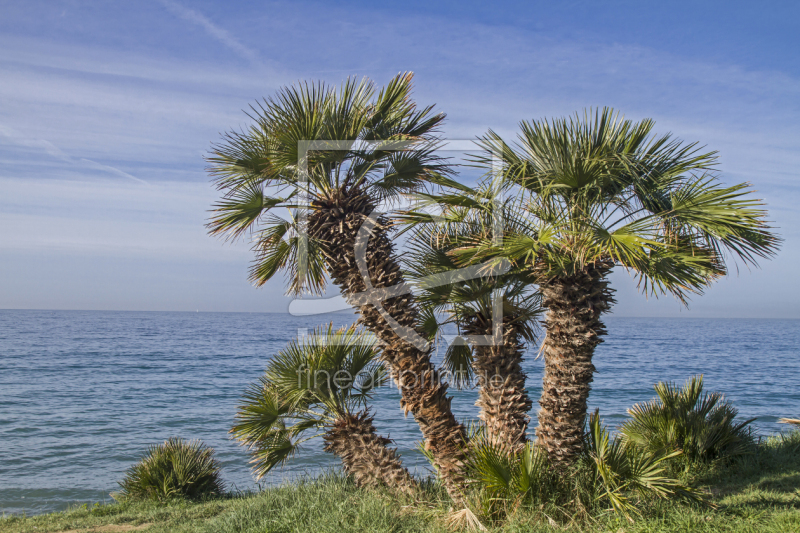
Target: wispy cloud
point(51, 149)
point(113, 170)
point(162, 220)
point(19, 139)
point(220, 34)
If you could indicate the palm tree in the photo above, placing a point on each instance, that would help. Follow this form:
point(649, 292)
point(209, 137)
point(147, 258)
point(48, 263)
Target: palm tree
point(363, 151)
point(320, 387)
point(598, 192)
point(473, 302)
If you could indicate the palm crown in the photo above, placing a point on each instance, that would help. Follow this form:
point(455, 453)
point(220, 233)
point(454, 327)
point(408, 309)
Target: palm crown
point(604, 188)
point(449, 295)
point(307, 386)
point(310, 143)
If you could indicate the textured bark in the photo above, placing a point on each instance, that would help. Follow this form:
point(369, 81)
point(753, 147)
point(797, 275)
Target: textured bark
point(366, 455)
point(335, 221)
point(503, 401)
point(574, 306)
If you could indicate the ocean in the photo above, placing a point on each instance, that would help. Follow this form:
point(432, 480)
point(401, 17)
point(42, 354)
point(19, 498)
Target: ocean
point(82, 393)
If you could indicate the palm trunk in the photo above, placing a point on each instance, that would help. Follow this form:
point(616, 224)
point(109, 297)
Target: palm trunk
point(365, 454)
point(336, 221)
point(575, 304)
point(503, 401)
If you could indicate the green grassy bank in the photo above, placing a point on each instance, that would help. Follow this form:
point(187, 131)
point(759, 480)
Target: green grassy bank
point(758, 493)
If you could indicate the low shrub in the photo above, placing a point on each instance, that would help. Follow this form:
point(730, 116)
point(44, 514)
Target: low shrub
point(503, 481)
point(174, 469)
point(701, 426)
point(609, 475)
point(619, 471)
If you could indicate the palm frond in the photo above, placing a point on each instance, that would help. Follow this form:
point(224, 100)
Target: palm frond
point(283, 246)
point(306, 386)
point(457, 362)
point(701, 426)
point(607, 187)
point(273, 450)
point(262, 410)
point(240, 210)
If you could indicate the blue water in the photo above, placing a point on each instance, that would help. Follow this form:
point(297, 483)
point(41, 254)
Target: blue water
point(82, 394)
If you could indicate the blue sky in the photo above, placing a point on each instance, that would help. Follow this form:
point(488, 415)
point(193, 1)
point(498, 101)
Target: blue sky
point(106, 110)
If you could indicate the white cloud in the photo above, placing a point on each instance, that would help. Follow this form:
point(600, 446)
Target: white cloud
point(218, 33)
point(123, 217)
point(18, 138)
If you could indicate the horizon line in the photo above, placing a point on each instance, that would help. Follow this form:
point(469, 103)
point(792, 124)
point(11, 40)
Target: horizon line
point(347, 311)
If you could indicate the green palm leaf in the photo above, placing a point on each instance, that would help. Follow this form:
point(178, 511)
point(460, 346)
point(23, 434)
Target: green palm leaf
point(311, 141)
point(306, 387)
point(701, 426)
point(605, 187)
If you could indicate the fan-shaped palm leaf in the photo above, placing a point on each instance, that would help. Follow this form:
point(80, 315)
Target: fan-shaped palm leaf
point(319, 387)
point(700, 426)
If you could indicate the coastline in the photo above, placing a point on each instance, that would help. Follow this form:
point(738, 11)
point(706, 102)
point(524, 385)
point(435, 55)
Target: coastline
point(757, 494)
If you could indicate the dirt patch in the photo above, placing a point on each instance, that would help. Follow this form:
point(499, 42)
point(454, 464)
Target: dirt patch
point(110, 528)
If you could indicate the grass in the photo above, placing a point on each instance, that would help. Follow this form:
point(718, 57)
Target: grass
point(757, 493)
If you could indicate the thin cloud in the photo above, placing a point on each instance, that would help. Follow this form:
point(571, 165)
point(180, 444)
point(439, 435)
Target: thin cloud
point(212, 29)
point(19, 139)
point(111, 169)
point(51, 149)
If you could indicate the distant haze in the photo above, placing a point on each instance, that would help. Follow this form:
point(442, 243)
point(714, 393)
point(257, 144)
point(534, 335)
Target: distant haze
point(108, 108)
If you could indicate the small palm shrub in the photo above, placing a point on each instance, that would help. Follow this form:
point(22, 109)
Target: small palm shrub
point(174, 469)
point(701, 426)
point(608, 475)
point(504, 481)
point(320, 387)
point(617, 471)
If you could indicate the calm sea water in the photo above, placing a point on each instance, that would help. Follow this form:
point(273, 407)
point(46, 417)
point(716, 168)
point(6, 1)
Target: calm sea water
point(82, 394)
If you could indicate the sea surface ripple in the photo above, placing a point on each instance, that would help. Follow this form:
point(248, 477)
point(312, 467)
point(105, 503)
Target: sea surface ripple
point(82, 394)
